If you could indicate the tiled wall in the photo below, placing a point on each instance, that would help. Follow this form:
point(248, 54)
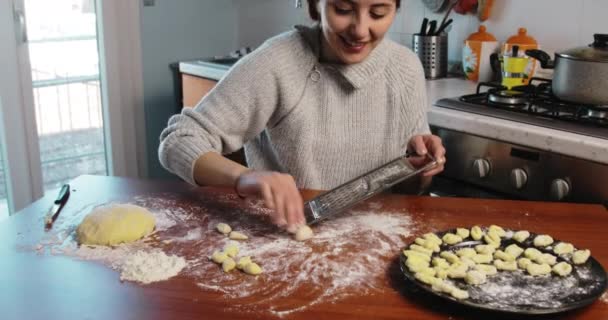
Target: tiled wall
point(556, 24)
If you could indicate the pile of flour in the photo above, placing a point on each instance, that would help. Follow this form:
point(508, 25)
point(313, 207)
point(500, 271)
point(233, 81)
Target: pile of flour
point(150, 266)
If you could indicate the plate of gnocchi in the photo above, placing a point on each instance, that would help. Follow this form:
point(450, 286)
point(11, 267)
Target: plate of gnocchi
point(514, 271)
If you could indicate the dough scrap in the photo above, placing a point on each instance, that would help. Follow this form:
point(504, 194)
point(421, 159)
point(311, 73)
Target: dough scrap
point(223, 228)
point(235, 235)
point(303, 233)
point(113, 224)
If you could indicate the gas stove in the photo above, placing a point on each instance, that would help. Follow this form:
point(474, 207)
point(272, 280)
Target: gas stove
point(533, 104)
point(480, 166)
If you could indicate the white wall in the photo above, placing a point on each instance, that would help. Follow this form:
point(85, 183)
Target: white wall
point(556, 24)
point(178, 30)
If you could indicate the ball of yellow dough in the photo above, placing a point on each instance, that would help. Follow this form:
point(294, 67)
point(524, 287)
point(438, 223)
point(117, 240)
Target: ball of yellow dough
point(114, 224)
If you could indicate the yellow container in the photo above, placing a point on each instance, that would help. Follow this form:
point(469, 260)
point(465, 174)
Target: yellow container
point(524, 42)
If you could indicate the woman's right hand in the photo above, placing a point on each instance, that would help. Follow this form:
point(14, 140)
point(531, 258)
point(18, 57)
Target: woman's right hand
point(280, 194)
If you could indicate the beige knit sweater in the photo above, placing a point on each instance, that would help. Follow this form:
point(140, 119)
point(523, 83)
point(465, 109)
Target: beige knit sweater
point(323, 124)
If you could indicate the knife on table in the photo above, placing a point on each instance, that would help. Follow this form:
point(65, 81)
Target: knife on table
point(60, 201)
point(351, 193)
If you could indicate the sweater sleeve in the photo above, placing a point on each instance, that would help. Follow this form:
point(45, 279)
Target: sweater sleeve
point(236, 110)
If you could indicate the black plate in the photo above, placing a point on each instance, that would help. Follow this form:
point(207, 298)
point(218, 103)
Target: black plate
point(518, 293)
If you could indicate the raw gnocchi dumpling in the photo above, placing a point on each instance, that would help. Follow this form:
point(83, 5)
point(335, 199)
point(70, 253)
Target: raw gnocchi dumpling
point(475, 277)
point(449, 256)
point(499, 231)
point(219, 257)
point(228, 265)
point(427, 278)
point(580, 256)
point(458, 271)
point(543, 240)
point(433, 238)
point(441, 273)
point(412, 253)
point(223, 228)
point(231, 249)
point(235, 235)
point(505, 265)
point(243, 262)
point(499, 254)
point(492, 239)
point(523, 263)
point(466, 252)
point(415, 264)
point(303, 233)
point(563, 248)
point(546, 258)
point(253, 269)
point(421, 249)
point(450, 238)
point(536, 269)
point(484, 249)
point(514, 250)
point(468, 261)
point(532, 253)
point(562, 269)
point(459, 294)
point(476, 233)
point(521, 236)
point(482, 258)
point(462, 232)
point(440, 263)
point(429, 244)
point(487, 269)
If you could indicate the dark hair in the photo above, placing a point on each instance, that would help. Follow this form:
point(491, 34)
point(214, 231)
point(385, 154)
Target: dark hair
point(314, 13)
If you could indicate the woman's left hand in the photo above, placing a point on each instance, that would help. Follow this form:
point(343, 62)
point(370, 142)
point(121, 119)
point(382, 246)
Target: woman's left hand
point(420, 145)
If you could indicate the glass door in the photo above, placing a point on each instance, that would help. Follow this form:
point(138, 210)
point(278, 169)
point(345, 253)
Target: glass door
point(64, 62)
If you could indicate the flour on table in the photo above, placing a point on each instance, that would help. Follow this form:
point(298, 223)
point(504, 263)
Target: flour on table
point(604, 297)
point(150, 266)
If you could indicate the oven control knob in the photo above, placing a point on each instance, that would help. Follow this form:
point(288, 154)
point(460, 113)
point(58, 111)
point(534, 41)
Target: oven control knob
point(560, 189)
point(481, 168)
point(519, 178)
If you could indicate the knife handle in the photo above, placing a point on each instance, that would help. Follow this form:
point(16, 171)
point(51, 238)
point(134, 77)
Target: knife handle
point(63, 195)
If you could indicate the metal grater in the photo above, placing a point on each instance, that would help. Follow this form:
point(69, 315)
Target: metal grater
point(361, 188)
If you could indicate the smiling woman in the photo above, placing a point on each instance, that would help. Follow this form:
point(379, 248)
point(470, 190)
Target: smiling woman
point(313, 108)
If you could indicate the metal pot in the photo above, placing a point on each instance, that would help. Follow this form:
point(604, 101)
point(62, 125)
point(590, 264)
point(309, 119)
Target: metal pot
point(581, 74)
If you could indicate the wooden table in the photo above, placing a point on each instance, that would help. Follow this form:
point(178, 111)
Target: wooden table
point(35, 286)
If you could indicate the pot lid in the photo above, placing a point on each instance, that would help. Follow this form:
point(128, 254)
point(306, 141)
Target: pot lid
point(595, 52)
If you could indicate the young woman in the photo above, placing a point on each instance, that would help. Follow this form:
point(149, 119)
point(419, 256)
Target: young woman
point(313, 108)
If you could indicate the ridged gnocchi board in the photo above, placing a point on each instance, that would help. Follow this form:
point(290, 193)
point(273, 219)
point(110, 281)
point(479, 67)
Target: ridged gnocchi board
point(518, 292)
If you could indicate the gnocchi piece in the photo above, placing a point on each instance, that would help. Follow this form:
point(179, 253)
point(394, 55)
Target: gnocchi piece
point(243, 262)
point(441, 273)
point(303, 233)
point(532, 253)
point(426, 278)
point(462, 232)
point(433, 238)
point(228, 265)
point(505, 265)
point(499, 231)
point(421, 249)
point(235, 235)
point(449, 256)
point(535, 269)
point(468, 261)
point(466, 252)
point(475, 277)
point(492, 240)
point(219, 257)
point(546, 258)
point(562, 269)
point(231, 250)
point(563, 248)
point(412, 253)
point(253, 269)
point(514, 250)
point(459, 294)
point(522, 263)
point(428, 271)
point(415, 264)
point(476, 233)
point(482, 258)
point(580, 256)
point(450, 238)
point(458, 271)
point(521, 236)
point(440, 263)
point(499, 254)
point(484, 249)
point(487, 269)
point(542, 240)
point(443, 286)
point(223, 228)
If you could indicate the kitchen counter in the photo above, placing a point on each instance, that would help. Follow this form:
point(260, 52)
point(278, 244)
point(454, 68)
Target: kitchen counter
point(571, 144)
point(39, 281)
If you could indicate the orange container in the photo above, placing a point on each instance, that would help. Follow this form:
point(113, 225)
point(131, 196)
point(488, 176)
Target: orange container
point(476, 55)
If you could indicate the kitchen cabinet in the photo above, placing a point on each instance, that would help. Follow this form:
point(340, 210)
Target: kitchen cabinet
point(63, 287)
